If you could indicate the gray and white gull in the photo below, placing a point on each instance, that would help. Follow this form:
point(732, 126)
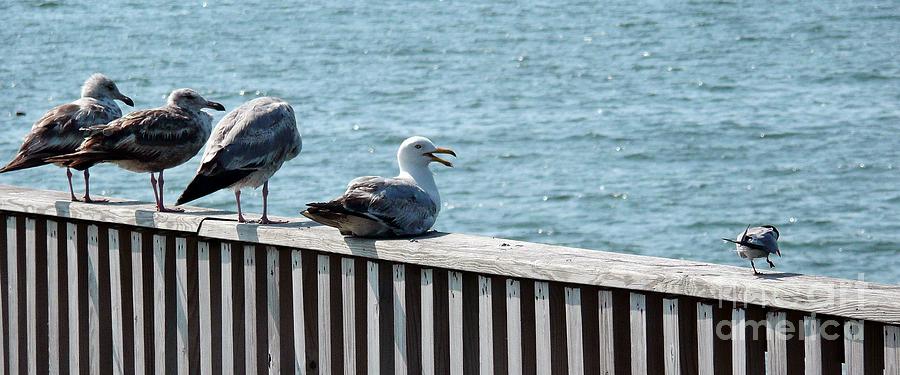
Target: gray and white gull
point(60, 130)
point(246, 148)
point(406, 205)
point(151, 140)
point(757, 242)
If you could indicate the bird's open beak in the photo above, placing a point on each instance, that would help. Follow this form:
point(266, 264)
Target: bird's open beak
point(126, 100)
point(441, 150)
point(215, 105)
point(778, 251)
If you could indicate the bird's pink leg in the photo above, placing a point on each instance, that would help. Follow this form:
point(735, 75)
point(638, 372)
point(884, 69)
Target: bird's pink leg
point(155, 193)
point(87, 189)
point(161, 207)
point(237, 197)
point(265, 219)
point(71, 190)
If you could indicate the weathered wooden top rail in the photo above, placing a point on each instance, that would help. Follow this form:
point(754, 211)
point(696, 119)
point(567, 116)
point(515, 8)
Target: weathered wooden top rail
point(486, 255)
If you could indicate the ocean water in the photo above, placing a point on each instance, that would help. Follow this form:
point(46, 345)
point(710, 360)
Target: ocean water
point(641, 127)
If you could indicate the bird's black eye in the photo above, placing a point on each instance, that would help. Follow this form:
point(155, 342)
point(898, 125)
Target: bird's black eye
point(418, 146)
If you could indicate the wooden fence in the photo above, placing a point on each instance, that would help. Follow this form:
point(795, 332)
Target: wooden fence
point(119, 288)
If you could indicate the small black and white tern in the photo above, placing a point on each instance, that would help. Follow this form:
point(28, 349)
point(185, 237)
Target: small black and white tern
point(757, 242)
point(246, 148)
point(61, 130)
point(151, 140)
point(406, 205)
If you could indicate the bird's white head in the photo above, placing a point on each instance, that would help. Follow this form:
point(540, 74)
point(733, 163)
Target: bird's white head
point(417, 152)
point(191, 100)
point(99, 86)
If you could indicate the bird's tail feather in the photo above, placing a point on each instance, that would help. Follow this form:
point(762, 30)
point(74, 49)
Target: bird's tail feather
point(203, 185)
point(323, 214)
point(24, 162)
point(81, 160)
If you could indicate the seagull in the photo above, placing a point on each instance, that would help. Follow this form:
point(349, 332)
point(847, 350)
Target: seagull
point(151, 140)
point(59, 131)
point(406, 205)
point(757, 242)
point(247, 147)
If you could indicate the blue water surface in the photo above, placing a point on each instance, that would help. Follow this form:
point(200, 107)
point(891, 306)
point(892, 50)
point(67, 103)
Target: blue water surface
point(648, 127)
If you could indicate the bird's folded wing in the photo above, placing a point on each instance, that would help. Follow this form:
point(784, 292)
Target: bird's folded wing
point(398, 203)
point(59, 130)
point(143, 135)
point(251, 139)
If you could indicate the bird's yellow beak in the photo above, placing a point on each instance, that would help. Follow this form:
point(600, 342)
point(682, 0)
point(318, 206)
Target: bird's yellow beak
point(441, 150)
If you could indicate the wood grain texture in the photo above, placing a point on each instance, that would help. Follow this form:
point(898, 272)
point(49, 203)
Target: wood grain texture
point(427, 301)
point(705, 339)
point(181, 310)
point(844, 298)
point(514, 325)
point(398, 288)
point(273, 317)
point(455, 290)
point(4, 310)
point(297, 302)
point(93, 257)
point(137, 300)
point(72, 259)
point(485, 327)
point(159, 303)
point(671, 339)
point(31, 295)
point(373, 318)
point(543, 359)
point(605, 325)
point(776, 335)
point(54, 312)
point(228, 353)
point(205, 308)
point(348, 285)
point(853, 347)
point(892, 349)
point(324, 314)
point(250, 316)
point(739, 341)
point(638, 319)
point(574, 338)
point(115, 277)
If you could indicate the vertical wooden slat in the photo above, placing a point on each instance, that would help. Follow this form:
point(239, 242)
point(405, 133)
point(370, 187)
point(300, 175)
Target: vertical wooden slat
point(261, 328)
point(722, 345)
point(671, 343)
point(337, 314)
point(574, 338)
point(455, 296)
point(500, 334)
point(873, 347)
point(360, 286)
point(349, 314)
point(892, 349)
point(205, 308)
point(250, 309)
point(413, 318)
point(13, 296)
point(30, 294)
point(514, 325)
point(310, 266)
point(72, 260)
point(115, 277)
point(4, 300)
point(324, 310)
point(372, 315)
point(812, 345)
point(427, 290)
point(297, 301)
point(638, 319)
point(622, 331)
point(227, 310)
point(853, 347)
point(399, 291)
point(386, 317)
point(559, 360)
point(286, 312)
point(94, 297)
point(159, 303)
point(485, 326)
point(777, 345)
point(542, 327)
point(470, 333)
point(529, 341)
point(606, 333)
point(274, 318)
point(756, 340)
point(794, 342)
point(137, 290)
point(738, 341)
point(53, 296)
point(181, 304)
point(705, 338)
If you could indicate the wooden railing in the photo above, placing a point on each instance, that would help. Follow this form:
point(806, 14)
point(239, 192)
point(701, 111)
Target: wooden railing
point(119, 288)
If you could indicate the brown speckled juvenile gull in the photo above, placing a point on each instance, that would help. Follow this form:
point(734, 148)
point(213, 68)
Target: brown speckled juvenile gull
point(247, 147)
point(151, 140)
point(406, 205)
point(59, 131)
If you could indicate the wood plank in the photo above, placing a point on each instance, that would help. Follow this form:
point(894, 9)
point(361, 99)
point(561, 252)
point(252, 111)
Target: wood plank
point(812, 346)
point(228, 353)
point(72, 260)
point(776, 335)
point(671, 341)
point(386, 317)
point(606, 333)
point(739, 341)
point(53, 298)
point(892, 349)
point(324, 310)
point(372, 316)
point(514, 325)
point(485, 326)
point(427, 290)
point(115, 277)
point(297, 301)
point(705, 339)
point(181, 311)
point(205, 308)
point(470, 333)
point(574, 340)
point(348, 297)
point(138, 306)
point(399, 291)
point(413, 291)
point(250, 309)
point(638, 318)
point(93, 242)
point(4, 311)
point(30, 294)
point(558, 349)
point(853, 347)
point(274, 311)
point(337, 314)
point(455, 290)
point(159, 303)
point(500, 335)
point(542, 327)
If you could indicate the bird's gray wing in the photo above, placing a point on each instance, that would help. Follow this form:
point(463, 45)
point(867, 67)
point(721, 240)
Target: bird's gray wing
point(143, 135)
point(764, 237)
point(259, 134)
point(398, 203)
point(59, 130)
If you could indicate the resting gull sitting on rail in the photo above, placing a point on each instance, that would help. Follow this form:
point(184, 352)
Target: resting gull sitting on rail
point(247, 147)
point(151, 140)
point(59, 131)
point(406, 205)
point(757, 242)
